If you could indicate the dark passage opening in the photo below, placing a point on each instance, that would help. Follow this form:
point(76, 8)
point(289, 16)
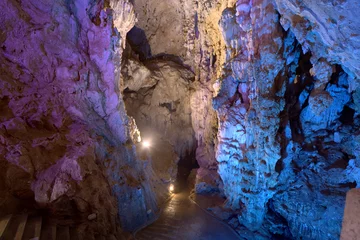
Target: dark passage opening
point(186, 164)
point(138, 41)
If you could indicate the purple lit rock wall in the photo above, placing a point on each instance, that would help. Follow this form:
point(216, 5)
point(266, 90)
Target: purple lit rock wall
point(65, 143)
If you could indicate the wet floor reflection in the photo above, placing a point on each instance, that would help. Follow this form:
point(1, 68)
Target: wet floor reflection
point(182, 219)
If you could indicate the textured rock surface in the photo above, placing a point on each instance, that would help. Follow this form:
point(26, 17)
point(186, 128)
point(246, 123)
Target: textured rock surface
point(329, 29)
point(266, 90)
point(248, 105)
point(286, 109)
point(286, 99)
point(207, 45)
point(65, 141)
point(163, 24)
point(157, 94)
point(189, 30)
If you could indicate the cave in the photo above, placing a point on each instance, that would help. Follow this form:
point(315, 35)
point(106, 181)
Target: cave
point(148, 119)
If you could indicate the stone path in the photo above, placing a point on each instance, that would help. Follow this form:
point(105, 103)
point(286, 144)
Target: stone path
point(184, 220)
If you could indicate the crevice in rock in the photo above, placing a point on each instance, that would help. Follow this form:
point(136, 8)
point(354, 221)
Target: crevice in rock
point(347, 115)
point(303, 81)
point(213, 60)
point(337, 69)
point(278, 224)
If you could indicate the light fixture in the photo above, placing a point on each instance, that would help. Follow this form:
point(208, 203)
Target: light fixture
point(146, 144)
point(171, 188)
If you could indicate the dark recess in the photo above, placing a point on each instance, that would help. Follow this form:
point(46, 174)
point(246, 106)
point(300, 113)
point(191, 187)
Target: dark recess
point(139, 43)
point(347, 115)
point(185, 165)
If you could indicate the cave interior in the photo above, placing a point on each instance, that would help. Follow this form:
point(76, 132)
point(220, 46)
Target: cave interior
point(118, 115)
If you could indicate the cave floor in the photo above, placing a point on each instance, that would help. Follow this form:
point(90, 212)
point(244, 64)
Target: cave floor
point(183, 219)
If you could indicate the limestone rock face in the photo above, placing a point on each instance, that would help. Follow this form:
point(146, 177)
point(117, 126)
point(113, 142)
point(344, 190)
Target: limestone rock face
point(206, 46)
point(159, 100)
point(282, 79)
point(287, 104)
point(265, 92)
point(189, 30)
point(329, 29)
point(248, 105)
point(65, 143)
point(163, 24)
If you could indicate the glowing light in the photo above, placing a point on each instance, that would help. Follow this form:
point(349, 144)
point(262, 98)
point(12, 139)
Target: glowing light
point(171, 188)
point(146, 144)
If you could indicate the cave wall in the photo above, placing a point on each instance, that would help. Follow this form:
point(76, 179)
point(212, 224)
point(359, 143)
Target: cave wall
point(282, 79)
point(288, 116)
point(248, 105)
point(274, 102)
point(187, 33)
point(161, 20)
point(65, 144)
point(207, 48)
point(157, 95)
point(267, 91)
point(329, 29)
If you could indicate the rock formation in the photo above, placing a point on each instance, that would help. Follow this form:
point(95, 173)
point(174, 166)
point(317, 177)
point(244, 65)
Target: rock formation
point(285, 115)
point(264, 94)
point(65, 144)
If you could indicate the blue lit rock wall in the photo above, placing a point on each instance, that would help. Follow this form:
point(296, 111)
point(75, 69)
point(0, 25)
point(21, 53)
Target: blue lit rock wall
point(287, 105)
point(322, 153)
point(249, 102)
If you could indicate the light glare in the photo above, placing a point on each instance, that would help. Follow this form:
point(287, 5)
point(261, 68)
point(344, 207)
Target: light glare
point(146, 144)
point(171, 188)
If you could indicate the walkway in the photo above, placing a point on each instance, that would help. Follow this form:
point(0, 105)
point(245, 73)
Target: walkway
point(184, 220)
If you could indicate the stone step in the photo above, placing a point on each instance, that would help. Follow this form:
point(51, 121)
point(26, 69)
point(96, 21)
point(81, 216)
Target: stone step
point(100, 238)
point(150, 237)
point(38, 225)
point(140, 238)
point(33, 228)
point(4, 221)
point(21, 223)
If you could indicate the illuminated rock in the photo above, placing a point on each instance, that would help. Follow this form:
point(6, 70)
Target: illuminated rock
point(64, 127)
